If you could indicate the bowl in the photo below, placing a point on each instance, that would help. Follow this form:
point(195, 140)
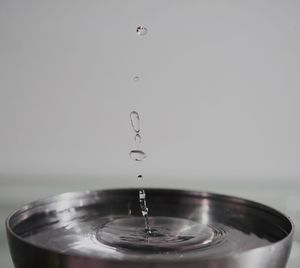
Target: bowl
point(189, 229)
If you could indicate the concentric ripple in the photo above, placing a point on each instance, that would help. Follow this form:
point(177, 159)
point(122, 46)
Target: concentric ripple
point(119, 236)
point(167, 234)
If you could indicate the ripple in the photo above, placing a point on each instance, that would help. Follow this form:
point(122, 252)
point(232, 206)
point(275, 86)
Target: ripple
point(167, 235)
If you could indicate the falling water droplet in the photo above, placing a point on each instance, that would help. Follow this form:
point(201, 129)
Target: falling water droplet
point(141, 30)
point(139, 177)
point(137, 155)
point(136, 78)
point(137, 139)
point(135, 121)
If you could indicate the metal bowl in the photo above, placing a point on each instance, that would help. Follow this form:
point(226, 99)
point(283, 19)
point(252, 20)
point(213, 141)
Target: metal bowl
point(56, 232)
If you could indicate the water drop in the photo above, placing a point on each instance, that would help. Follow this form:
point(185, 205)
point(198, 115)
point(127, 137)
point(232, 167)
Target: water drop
point(136, 78)
point(135, 121)
point(141, 30)
point(140, 177)
point(144, 211)
point(137, 155)
point(142, 194)
point(137, 138)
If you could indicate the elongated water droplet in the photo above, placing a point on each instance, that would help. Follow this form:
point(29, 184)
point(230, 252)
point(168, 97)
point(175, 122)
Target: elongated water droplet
point(141, 30)
point(137, 155)
point(137, 139)
point(135, 121)
point(140, 177)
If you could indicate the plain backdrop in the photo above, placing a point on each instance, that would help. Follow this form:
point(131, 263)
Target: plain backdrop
point(218, 97)
point(218, 93)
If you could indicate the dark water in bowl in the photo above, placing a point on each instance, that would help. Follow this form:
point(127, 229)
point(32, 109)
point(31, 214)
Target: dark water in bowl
point(117, 236)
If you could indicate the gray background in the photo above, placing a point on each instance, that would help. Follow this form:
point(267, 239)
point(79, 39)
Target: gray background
point(218, 97)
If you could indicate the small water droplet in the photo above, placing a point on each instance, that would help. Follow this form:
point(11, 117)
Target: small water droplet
point(145, 213)
point(137, 155)
point(140, 177)
point(142, 194)
point(137, 138)
point(135, 121)
point(141, 30)
point(136, 78)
